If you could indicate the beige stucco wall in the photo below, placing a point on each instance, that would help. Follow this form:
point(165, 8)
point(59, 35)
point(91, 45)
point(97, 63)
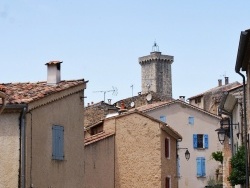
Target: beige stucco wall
point(99, 164)
point(138, 152)
point(177, 117)
point(9, 150)
point(41, 170)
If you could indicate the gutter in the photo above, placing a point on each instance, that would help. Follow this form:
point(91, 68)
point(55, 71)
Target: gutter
point(22, 147)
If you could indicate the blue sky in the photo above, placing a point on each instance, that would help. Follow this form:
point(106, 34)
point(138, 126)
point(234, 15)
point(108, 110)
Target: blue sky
point(101, 41)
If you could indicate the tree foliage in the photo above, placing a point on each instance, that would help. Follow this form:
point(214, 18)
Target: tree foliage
point(238, 173)
point(218, 156)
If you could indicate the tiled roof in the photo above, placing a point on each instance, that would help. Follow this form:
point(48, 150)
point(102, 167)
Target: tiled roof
point(150, 107)
point(22, 93)
point(97, 137)
point(218, 89)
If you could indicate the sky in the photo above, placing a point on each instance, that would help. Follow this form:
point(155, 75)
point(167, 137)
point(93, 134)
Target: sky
point(101, 41)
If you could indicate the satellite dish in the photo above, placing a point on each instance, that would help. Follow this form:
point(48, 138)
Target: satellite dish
point(149, 97)
point(132, 104)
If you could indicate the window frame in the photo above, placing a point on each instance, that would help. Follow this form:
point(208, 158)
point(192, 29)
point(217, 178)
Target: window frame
point(196, 141)
point(168, 182)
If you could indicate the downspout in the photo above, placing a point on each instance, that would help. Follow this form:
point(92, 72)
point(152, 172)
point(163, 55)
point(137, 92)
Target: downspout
point(245, 122)
point(22, 146)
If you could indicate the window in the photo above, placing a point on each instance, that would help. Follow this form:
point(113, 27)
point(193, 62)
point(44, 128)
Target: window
point(191, 120)
point(168, 181)
point(200, 141)
point(57, 142)
point(96, 129)
point(167, 147)
point(163, 119)
point(201, 166)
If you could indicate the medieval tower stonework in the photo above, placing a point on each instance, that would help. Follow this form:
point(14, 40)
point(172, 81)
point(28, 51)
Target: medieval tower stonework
point(156, 73)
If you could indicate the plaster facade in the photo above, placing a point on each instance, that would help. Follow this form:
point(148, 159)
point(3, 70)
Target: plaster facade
point(9, 149)
point(177, 114)
point(41, 169)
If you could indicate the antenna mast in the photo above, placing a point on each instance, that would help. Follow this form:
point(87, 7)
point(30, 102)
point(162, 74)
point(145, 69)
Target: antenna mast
point(114, 90)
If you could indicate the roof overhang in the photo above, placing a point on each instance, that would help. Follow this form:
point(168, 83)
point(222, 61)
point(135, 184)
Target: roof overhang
point(228, 103)
point(243, 56)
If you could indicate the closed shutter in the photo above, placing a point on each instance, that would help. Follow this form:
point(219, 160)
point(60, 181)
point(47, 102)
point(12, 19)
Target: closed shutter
point(198, 167)
point(166, 147)
point(167, 182)
point(58, 142)
point(195, 141)
point(191, 120)
point(206, 141)
point(203, 166)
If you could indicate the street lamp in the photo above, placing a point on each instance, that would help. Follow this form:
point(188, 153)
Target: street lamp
point(187, 154)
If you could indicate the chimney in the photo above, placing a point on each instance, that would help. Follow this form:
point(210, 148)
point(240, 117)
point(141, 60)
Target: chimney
point(53, 72)
point(219, 82)
point(109, 101)
point(226, 80)
point(182, 98)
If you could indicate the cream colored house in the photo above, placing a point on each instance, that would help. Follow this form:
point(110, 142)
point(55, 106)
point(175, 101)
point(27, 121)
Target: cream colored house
point(197, 128)
point(41, 133)
point(130, 150)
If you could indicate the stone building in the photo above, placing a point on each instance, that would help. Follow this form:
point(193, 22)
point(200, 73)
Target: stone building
point(156, 73)
point(131, 150)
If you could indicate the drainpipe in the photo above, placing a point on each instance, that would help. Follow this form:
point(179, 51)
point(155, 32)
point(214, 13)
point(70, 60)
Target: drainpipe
point(22, 146)
point(245, 122)
point(3, 96)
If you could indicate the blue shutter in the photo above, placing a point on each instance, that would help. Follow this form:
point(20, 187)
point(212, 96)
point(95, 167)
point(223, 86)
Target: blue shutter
point(203, 166)
point(198, 167)
point(58, 142)
point(206, 140)
point(191, 120)
point(163, 119)
point(195, 142)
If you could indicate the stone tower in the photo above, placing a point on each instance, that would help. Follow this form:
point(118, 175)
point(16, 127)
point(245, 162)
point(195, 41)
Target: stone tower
point(156, 73)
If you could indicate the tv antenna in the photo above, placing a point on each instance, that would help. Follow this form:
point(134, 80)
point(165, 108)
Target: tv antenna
point(114, 90)
point(132, 86)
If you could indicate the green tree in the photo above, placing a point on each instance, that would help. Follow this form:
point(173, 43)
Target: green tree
point(238, 173)
point(218, 156)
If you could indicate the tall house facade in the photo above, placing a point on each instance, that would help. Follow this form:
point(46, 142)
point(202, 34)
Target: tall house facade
point(156, 73)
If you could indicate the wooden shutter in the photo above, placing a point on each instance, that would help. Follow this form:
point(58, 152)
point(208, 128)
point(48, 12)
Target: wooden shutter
point(195, 141)
point(167, 182)
point(166, 147)
point(191, 120)
point(206, 141)
point(203, 166)
point(198, 167)
point(58, 142)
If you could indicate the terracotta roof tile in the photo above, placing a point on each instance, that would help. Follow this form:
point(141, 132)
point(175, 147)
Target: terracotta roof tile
point(97, 137)
point(20, 93)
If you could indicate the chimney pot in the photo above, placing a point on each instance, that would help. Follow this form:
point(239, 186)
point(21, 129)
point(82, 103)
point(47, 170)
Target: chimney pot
point(109, 101)
point(219, 82)
point(53, 72)
point(182, 98)
point(226, 80)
